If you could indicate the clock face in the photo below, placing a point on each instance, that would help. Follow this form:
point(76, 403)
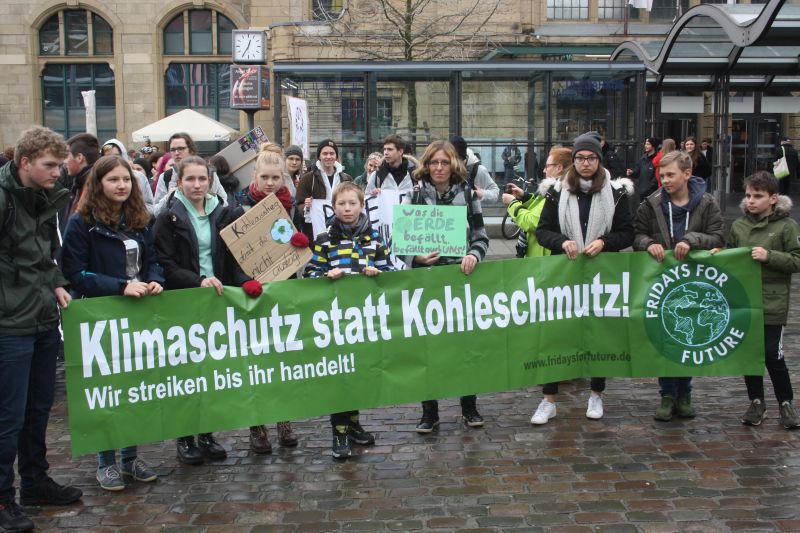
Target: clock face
point(248, 47)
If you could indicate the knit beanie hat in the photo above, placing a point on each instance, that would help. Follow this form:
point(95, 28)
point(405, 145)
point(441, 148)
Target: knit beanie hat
point(460, 145)
point(327, 142)
point(294, 150)
point(588, 141)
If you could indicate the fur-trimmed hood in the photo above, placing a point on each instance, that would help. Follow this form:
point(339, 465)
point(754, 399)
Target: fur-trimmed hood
point(620, 183)
point(783, 208)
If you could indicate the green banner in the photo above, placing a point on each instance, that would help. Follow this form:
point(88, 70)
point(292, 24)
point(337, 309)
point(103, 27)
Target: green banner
point(190, 361)
point(424, 229)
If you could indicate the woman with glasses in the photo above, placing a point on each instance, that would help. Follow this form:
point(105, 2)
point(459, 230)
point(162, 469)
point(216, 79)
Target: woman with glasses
point(587, 212)
point(181, 146)
point(440, 180)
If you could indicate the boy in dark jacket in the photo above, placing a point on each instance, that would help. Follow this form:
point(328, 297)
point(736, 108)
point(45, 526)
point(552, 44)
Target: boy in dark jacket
point(32, 288)
point(679, 216)
point(775, 239)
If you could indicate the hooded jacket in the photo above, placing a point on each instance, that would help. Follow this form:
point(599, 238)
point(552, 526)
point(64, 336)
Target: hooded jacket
point(491, 192)
point(179, 252)
point(28, 240)
point(779, 234)
point(705, 228)
point(619, 237)
point(144, 183)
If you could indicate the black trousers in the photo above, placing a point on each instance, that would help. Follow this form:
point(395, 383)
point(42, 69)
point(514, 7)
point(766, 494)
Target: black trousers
point(776, 366)
point(597, 385)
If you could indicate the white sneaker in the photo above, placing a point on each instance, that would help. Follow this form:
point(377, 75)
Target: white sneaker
point(544, 412)
point(595, 409)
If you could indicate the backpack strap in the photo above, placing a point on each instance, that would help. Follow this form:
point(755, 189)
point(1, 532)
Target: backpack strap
point(473, 173)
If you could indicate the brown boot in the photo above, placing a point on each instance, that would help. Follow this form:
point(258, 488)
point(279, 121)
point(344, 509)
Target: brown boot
point(286, 436)
point(259, 441)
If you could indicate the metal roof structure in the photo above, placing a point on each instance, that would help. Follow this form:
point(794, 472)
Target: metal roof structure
point(752, 44)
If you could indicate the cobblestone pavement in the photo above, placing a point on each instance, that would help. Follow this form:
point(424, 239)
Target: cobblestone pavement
point(624, 473)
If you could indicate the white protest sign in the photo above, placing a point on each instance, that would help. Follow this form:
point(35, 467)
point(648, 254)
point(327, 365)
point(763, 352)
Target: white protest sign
point(379, 209)
point(321, 210)
point(298, 123)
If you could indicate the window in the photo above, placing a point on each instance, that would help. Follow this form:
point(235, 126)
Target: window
point(62, 102)
point(666, 11)
point(568, 9)
point(85, 34)
point(200, 25)
point(612, 9)
point(203, 86)
point(326, 9)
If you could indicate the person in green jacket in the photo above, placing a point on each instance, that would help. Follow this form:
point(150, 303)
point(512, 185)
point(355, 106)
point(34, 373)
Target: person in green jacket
point(525, 208)
point(774, 237)
point(31, 290)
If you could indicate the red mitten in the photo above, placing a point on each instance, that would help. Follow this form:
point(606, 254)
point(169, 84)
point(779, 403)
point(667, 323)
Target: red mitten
point(252, 288)
point(299, 240)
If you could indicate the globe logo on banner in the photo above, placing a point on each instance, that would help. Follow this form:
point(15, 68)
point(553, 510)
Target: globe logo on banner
point(692, 314)
point(695, 313)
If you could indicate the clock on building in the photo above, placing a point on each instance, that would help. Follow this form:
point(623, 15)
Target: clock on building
point(249, 46)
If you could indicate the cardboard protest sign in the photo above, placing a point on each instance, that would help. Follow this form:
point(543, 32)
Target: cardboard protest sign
point(259, 241)
point(424, 229)
point(241, 155)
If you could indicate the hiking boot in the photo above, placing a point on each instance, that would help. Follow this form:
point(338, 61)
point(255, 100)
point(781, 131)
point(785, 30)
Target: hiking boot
point(110, 478)
point(755, 413)
point(341, 443)
point(789, 418)
point(188, 452)
point(286, 436)
point(48, 492)
point(544, 413)
point(13, 519)
point(666, 409)
point(595, 408)
point(259, 441)
point(358, 435)
point(430, 418)
point(210, 447)
point(138, 470)
point(683, 408)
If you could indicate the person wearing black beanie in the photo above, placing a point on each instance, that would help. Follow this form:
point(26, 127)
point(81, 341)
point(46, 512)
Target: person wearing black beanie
point(325, 143)
point(478, 176)
point(294, 163)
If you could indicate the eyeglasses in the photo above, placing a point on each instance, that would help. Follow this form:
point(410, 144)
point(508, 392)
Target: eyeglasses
point(438, 163)
point(580, 160)
point(177, 149)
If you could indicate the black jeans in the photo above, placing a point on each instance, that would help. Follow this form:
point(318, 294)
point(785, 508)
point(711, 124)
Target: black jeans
point(27, 385)
point(776, 366)
point(342, 419)
point(596, 384)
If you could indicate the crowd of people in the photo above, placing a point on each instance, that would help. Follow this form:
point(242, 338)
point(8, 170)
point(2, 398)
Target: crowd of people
point(79, 220)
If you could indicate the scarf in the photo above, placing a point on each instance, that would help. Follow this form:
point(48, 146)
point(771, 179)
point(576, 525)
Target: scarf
point(601, 214)
point(359, 233)
point(283, 194)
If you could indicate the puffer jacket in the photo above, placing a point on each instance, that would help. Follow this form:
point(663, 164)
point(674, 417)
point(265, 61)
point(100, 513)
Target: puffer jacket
point(779, 234)
point(28, 241)
point(706, 229)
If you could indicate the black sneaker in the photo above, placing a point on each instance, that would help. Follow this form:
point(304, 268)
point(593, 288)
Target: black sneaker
point(427, 423)
point(358, 435)
point(49, 492)
point(210, 447)
point(188, 452)
point(472, 418)
point(341, 443)
point(13, 519)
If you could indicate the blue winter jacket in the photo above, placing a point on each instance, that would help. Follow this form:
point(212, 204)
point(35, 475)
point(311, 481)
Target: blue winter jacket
point(93, 258)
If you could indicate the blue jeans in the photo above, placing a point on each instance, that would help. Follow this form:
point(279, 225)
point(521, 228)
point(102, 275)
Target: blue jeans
point(675, 387)
point(109, 457)
point(27, 383)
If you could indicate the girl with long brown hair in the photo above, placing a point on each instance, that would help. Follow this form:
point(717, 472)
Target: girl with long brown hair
point(108, 250)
